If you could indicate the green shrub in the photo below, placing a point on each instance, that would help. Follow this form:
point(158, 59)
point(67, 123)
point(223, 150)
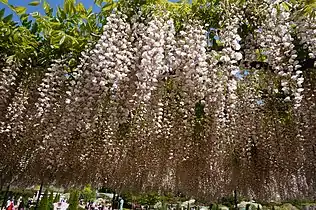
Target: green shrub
point(88, 194)
point(57, 198)
point(74, 200)
point(43, 205)
point(51, 201)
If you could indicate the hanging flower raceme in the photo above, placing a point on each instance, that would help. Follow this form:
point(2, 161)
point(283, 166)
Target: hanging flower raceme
point(151, 49)
point(230, 70)
point(50, 90)
point(306, 29)
point(277, 43)
point(8, 76)
point(306, 33)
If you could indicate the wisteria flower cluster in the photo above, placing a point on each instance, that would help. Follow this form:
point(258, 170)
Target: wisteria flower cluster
point(152, 107)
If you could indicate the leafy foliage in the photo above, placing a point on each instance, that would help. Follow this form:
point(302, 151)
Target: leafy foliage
point(57, 198)
point(51, 200)
point(74, 200)
point(44, 202)
point(47, 37)
point(67, 32)
point(88, 193)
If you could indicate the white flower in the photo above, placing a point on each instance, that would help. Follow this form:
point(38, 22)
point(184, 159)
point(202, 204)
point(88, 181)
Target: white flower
point(297, 67)
point(300, 80)
point(238, 56)
point(224, 58)
point(236, 45)
point(311, 55)
point(286, 44)
point(287, 99)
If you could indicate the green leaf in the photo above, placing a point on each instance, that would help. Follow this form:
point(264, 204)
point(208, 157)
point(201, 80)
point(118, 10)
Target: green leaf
point(20, 10)
point(89, 10)
point(108, 7)
point(69, 7)
point(8, 18)
point(80, 8)
point(34, 3)
point(73, 39)
point(4, 2)
point(2, 13)
point(66, 7)
point(218, 42)
point(35, 14)
point(98, 2)
point(24, 17)
point(61, 13)
point(286, 6)
point(34, 28)
point(55, 25)
point(47, 8)
point(72, 62)
point(10, 58)
point(62, 40)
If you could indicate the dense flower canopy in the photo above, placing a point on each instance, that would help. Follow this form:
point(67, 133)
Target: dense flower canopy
point(164, 102)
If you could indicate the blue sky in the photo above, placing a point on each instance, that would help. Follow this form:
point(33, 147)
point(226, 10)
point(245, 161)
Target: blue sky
point(53, 3)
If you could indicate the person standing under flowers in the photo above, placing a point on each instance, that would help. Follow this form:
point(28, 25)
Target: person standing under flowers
point(121, 202)
point(21, 205)
point(10, 205)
